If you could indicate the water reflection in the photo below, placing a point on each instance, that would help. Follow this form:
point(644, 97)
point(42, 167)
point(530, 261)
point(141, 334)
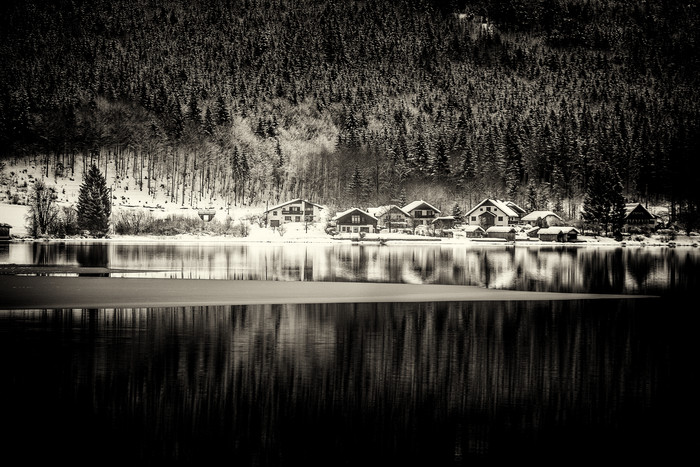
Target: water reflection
point(541, 268)
point(430, 384)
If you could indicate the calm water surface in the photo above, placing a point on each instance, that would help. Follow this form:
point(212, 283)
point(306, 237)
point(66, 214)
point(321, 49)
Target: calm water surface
point(463, 383)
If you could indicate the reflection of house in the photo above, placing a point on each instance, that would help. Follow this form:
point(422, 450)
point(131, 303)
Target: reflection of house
point(493, 212)
point(5, 231)
point(474, 231)
point(542, 218)
point(637, 215)
point(391, 217)
point(445, 222)
point(355, 220)
point(296, 210)
point(558, 234)
point(422, 212)
point(500, 231)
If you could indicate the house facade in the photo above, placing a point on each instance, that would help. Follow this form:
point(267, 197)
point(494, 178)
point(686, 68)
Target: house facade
point(444, 222)
point(501, 231)
point(474, 231)
point(493, 212)
point(296, 210)
point(562, 234)
point(355, 220)
point(638, 216)
point(391, 217)
point(422, 212)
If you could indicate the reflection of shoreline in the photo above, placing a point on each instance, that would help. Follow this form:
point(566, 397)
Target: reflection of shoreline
point(22, 292)
point(584, 241)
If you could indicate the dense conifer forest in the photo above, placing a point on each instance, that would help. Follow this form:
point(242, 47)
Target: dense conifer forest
point(360, 103)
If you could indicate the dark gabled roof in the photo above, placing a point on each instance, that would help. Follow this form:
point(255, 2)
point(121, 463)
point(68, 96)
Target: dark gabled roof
point(631, 207)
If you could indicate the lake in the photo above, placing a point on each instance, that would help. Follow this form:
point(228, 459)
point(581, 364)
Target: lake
point(437, 383)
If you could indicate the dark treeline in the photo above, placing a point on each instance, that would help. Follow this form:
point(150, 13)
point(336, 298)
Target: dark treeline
point(359, 102)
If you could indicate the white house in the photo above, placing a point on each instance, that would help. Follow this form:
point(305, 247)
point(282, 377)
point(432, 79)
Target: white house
point(493, 212)
point(422, 212)
point(296, 210)
point(391, 217)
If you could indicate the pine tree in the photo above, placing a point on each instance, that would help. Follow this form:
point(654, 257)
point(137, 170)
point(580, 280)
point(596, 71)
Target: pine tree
point(604, 204)
point(457, 212)
point(94, 204)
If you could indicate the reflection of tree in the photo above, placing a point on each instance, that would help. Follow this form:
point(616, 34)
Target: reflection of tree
point(639, 265)
point(93, 255)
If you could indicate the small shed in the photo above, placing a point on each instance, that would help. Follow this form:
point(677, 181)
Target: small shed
point(558, 234)
point(474, 231)
point(444, 222)
point(5, 231)
point(504, 232)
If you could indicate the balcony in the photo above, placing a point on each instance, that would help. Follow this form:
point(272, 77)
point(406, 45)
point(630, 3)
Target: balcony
point(292, 212)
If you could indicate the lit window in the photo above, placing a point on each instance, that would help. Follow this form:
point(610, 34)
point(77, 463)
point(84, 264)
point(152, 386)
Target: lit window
point(355, 219)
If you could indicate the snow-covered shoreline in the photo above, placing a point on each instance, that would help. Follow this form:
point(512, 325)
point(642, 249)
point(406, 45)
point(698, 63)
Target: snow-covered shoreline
point(300, 234)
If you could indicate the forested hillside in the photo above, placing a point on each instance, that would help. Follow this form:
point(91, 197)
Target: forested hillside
point(360, 102)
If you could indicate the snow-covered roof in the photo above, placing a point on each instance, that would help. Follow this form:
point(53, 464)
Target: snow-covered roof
point(296, 200)
point(444, 218)
point(473, 228)
point(557, 230)
point(502, 205)
point(501, 228)
point(416, 204)
point(348, 211)
point(534, 215)
point(381, 210)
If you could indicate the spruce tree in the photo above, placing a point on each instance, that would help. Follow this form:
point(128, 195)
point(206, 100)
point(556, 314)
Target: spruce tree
point(94, 205)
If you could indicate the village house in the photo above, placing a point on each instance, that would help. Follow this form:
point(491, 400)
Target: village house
point(562, 234)
point(473, 231)
point(542, 219)
point(5, 231)
point(355, 220)
point(501, 231)
point(422, 212)
point(638, 216)
point(493, 212)
point(391, 217)
point(296, 210)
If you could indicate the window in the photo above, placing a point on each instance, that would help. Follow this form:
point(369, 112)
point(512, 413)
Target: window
point(474, 218)
point(500, 218)
point(355, 219)
point(488, 209)
point(288, 218)
point(274, 213)
point(297, 218)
